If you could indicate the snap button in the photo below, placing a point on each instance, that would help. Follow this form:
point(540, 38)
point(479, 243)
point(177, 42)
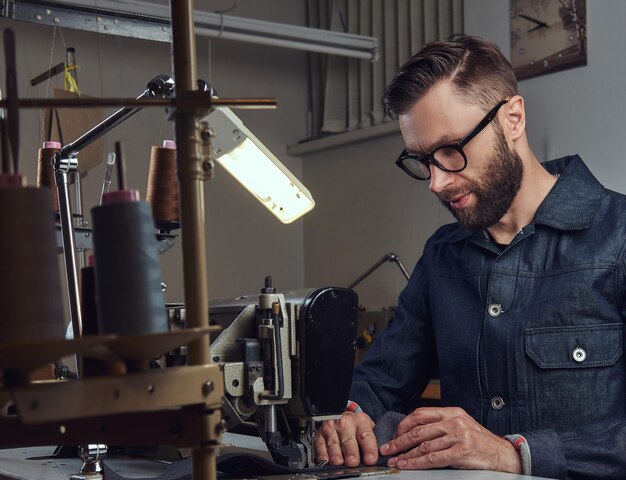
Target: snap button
point(495, 309)
point(497, 403)
point(579, 355)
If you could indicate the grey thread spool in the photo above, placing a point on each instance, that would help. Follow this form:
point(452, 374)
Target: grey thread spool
point(128, 277)
point(30, 283)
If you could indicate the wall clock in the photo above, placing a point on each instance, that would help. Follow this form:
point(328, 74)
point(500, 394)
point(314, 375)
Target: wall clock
point(547, 35)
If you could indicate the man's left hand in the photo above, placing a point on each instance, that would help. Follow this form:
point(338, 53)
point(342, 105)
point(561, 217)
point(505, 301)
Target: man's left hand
point(449, 437)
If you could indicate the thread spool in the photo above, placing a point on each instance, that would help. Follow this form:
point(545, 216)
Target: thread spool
point(45, 170)
point(92, 366)
point(30, 285)
point(128, 277)
point(162, 191)
point(12, 180)
point(89, 313)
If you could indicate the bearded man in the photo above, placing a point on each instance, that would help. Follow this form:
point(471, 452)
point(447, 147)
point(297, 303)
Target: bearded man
point(520, 304)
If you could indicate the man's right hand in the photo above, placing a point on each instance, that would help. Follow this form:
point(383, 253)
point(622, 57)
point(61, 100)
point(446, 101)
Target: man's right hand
point(343, 441)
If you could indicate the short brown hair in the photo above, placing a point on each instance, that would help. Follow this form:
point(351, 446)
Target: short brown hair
point(476, 67)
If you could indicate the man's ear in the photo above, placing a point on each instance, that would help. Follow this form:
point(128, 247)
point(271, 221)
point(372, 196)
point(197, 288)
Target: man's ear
point(515, 117)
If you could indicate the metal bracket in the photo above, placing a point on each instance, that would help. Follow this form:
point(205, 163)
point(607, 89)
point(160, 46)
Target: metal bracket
point(84, 240)
point(41, 402)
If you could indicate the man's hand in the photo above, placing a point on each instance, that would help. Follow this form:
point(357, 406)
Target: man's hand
point(339, 441)
point(449, 437)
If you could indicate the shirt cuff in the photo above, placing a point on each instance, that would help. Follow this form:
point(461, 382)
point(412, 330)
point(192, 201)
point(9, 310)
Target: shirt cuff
point(353, 407)
point(547, 454)
point(522, 447)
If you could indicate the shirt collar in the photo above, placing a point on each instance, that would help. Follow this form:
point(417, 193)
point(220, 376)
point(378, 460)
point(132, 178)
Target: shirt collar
point(573, 201)
point(570, 205)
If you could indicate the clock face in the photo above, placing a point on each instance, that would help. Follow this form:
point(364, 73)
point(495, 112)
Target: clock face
point(547, 35)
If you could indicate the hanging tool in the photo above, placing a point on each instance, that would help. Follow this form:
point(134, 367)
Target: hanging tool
point(4, 140)
point(12, 115)
point(108, 173)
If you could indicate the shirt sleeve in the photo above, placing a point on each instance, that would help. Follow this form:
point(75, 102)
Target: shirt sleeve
point(402, 357)
point(591, 451)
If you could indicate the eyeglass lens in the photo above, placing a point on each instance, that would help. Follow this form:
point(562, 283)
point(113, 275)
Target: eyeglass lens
point(447, 157)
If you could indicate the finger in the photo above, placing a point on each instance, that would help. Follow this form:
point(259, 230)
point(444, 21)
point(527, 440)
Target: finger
point(438, 459)
point(413, 438)
point(454, 457)
point(331, 438)
point(367, 441)
point(461, 449)
point(426, 415)
point(319, 447)
point(427, 447)
point(347, 439)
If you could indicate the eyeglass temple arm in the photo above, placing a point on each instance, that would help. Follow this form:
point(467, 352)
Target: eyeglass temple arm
point(479, 128)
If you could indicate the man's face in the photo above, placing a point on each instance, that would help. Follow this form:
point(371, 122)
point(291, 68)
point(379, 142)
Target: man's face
point(480, 195)
point(495, 186)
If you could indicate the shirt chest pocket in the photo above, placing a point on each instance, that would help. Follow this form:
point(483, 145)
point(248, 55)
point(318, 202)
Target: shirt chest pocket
point(575, 374)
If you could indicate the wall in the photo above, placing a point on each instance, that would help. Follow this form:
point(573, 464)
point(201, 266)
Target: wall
point(579, 110)
point(369, 207)
point(244, 241)
point(366, 208)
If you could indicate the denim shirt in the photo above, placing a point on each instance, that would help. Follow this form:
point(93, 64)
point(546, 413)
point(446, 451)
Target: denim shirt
point(528, 339)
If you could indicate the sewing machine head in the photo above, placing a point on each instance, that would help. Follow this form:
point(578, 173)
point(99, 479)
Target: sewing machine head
point(287, 361)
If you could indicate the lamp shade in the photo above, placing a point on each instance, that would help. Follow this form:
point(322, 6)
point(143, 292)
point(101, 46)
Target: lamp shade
point(256, 168)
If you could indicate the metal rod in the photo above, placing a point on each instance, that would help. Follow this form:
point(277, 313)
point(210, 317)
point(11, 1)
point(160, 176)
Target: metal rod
point(256, 103)
point(69, 250)
point(390, 257)
point(271, 421)
point(401, 267)
point(191, 181)
point(48, 74)
point(162, 86)
point(80, 221)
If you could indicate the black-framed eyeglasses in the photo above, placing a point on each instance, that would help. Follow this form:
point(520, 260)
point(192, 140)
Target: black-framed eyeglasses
point(449, 158)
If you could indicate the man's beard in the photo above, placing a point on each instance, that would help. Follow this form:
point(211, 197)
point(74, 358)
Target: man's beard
point(499, 181)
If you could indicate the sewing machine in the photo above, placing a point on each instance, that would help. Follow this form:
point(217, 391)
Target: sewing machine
point(287, 361)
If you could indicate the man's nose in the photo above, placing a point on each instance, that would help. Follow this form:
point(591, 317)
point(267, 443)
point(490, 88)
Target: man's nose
point(439, 179)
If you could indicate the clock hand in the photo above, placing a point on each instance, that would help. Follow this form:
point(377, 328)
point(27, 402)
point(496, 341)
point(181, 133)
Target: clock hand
point(538, 22)
point(537, 28)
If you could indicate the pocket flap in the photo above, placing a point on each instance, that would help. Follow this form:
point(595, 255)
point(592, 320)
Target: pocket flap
point(575, 347)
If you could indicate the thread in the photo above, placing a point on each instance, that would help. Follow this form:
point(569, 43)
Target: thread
point(45, 170)
point(162, 191)
point(128, 278)
point(30, 285)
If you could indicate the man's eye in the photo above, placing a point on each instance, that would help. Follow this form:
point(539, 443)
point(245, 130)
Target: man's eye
point(447, 152)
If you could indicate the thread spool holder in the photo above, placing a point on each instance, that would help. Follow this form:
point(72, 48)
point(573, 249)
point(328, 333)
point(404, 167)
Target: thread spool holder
point(65, 164)
point(64, 168)
point(83, 238)
point(79, 217)
point(137, 420)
